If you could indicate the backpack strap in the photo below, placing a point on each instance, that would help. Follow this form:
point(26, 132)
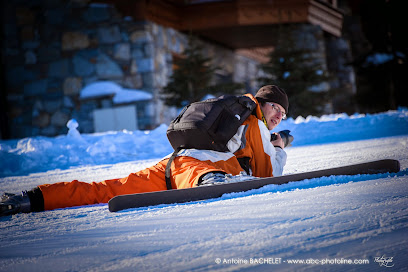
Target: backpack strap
point(245, 164)
point(167, 173)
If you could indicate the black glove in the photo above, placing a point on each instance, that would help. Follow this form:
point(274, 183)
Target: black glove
point(285, 135)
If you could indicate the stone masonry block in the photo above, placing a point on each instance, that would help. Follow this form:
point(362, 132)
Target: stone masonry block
point(72, 85)
point(109, 34)
point(74, 40)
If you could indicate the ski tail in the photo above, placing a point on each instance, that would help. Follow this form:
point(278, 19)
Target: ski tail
point(122, 202)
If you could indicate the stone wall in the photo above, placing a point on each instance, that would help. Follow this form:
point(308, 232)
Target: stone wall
point(55, 48)
point(52, 49)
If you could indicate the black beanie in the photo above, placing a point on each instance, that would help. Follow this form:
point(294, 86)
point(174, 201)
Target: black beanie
point(272, 93)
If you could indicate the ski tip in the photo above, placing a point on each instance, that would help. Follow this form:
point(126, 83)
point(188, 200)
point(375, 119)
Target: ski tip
point(385, 165)
point(111, 204)
point(390, 164)
point(397, 166)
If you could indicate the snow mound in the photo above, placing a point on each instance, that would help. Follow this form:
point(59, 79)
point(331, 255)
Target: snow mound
point(120, 95)
point(40, 154)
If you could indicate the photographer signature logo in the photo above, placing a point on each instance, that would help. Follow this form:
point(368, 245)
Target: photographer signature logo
point(384, 261)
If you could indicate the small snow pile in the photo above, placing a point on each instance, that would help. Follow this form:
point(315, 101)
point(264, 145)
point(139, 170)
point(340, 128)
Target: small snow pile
point(120, 95)
point(72, 130)
point(40, 154)
point(102, 88)
point(378, 59)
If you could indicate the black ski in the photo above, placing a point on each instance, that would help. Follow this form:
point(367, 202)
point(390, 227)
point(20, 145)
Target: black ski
point(214, 191)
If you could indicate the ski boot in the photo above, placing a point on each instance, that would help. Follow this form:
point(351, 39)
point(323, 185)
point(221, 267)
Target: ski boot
point(12, 204)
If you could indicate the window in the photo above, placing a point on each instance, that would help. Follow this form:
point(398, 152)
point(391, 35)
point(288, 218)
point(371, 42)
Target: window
point(114, 119)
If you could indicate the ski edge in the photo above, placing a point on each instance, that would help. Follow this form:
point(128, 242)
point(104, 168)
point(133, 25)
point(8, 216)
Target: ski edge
point(130, 201)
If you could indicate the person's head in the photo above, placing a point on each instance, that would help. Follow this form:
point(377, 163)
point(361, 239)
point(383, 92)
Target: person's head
point(274, 104)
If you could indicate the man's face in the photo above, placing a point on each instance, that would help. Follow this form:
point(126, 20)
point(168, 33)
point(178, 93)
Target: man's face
point(273, 113)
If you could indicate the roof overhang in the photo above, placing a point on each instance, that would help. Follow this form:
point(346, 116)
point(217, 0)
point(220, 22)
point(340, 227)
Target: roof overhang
point(235, 24)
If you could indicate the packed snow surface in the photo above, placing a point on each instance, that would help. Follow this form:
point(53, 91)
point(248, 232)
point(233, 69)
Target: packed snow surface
point(324, 222)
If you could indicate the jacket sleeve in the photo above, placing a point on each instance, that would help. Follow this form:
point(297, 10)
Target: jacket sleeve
point(279, 162)
point(265, 159)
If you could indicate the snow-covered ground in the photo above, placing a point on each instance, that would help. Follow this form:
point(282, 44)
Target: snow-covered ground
point(329, 220)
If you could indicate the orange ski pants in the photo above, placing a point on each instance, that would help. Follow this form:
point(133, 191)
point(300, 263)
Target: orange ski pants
point(185, 173)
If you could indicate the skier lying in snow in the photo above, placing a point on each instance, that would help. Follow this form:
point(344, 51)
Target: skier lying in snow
point(258, 156)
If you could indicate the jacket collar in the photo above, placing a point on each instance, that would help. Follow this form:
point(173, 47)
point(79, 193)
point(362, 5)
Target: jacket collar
point(257, 112)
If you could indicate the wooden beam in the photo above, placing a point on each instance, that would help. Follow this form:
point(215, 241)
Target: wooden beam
point(209, 15)
point(260, 12)
point(243, 13)
point(238, 23)
point(164, 13)
point(329, 19)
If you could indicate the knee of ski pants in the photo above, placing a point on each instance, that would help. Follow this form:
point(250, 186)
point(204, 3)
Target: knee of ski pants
point(186, 171)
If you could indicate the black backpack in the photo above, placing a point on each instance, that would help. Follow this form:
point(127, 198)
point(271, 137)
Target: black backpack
point(208, 124)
